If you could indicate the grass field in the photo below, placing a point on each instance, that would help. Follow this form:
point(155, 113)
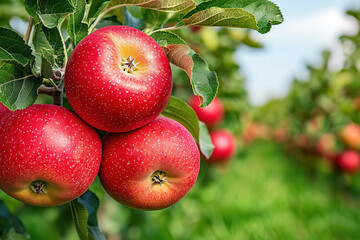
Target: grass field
point(263, 194)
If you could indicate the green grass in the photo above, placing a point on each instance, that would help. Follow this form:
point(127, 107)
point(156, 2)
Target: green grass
point(263, 194)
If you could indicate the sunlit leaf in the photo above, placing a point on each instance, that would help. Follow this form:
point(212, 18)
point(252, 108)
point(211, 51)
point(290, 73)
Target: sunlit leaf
point(206, 145)
point(17, 90)
point(49, 12)
point(204, 81)
point(13, 48)
point(159, 5)
point(181, 112)
point(49, 43)
point(259, 15)
point(77, 28)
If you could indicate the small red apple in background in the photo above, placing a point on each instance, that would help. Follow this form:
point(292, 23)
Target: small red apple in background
point(3, 110)
point(152, 167)
point(195, 29)
point(211, 114)
point(351, 136)
point(254, 131)
point(348, 161)
point(357, 103)
point(118, 79)
point(48, 156)
point(302, 141)
point(281, 134)
point(325, 146)
point(225, 146)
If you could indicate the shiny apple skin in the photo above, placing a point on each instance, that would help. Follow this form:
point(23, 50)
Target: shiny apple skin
point(3, 110)
point(225, 146)
point(47, 143)
point(131, 158)
point(105, 96)
point(212, 114)
point(348, 161)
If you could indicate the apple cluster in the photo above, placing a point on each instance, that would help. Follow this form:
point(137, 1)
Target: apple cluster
point(118, 80)
point(223, 140)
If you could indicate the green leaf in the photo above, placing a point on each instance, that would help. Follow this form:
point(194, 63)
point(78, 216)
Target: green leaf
point(77, 26)
point(181, 112)
point(206, 145)
point(10, 226)
point(49, 43)
point(154, 19)
point(32, 8)
point(204, 81)
point(159, 5)
point(46, 68)
point(13, 235)
point(13, 48)
point(17, 90)
point(49, 12)
point(96, 7)
point(83, 211)
point(259, 15)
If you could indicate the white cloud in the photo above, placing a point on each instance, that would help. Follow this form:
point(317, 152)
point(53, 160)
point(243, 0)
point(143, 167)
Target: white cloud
point(324, 27)
point(288, 46)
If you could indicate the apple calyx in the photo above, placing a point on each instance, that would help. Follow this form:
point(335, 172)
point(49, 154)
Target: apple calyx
point(128, 64)
point(159, 177)
point(38, 187)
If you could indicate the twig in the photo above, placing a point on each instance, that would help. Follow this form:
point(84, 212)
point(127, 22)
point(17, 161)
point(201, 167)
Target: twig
point(28, 31)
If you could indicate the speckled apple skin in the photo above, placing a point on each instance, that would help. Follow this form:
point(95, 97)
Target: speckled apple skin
point(225, 146)
point(108, 98)
point(212, 114)
point(49, 143)
point(3, 110)
point(129, 160)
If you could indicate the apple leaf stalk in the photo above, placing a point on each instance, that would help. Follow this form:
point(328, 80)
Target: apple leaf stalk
point(56, 91)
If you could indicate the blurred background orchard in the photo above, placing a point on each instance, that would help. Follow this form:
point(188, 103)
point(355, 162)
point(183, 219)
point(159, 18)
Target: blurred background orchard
point(291, 99)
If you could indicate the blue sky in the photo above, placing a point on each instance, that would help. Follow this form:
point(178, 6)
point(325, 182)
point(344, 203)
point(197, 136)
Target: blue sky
point(309, 27)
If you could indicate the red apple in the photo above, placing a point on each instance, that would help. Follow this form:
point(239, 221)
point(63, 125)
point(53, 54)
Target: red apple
point(3, 110)
point(211, 114)
point(351, 136)
point(325, 146)
point(302, 141)
point(225, 146)
point(348, 161)
point(152, 167)
point(357, 103)
point(118, 79)
point(195, 29)
point(281, 134)
point(254, 131)
point(48, 156)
